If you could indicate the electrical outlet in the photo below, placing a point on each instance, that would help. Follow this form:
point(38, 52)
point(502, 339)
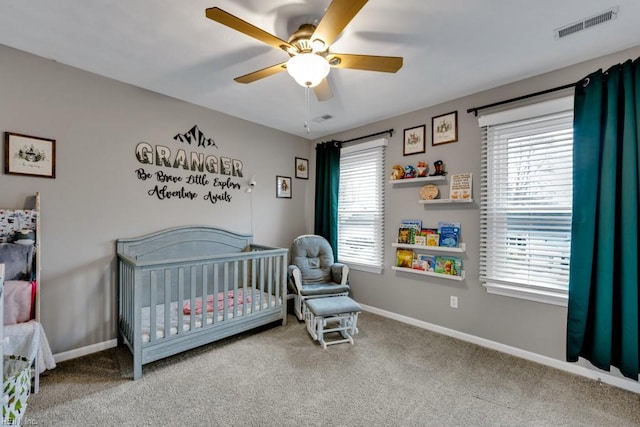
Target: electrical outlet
point(453, 301)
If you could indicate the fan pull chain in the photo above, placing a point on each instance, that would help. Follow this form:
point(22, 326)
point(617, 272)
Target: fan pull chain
point(306, 102)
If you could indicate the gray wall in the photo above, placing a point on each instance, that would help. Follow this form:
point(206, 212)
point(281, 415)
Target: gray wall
point(535, 327)
point(96, 197)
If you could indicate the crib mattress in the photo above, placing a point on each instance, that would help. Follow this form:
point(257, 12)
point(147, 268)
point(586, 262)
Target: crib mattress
point(260, 301)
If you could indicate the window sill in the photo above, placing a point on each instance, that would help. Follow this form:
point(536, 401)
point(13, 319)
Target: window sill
point(559, 298)
point(362, 267)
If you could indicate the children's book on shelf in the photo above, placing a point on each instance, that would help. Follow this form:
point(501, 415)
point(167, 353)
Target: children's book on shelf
point(419, 264)
point(448, 265)
point(433, 239)
point(427, 261)
point(460, 187)
point(426, 231)
point(420, 240)
point(448, 224)
point(404, 258)
point(404, 235)
point(409, 228)
point(449, 237)
point(415, 223)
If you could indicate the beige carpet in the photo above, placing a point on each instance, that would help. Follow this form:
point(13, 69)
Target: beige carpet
point(394, 375)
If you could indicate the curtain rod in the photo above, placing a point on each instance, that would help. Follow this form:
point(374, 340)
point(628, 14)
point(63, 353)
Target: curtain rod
point(519, 98)
point(389, 131)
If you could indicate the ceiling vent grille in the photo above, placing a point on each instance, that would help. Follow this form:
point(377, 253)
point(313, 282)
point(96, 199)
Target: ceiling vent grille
point(321, 119)
point(592, 21)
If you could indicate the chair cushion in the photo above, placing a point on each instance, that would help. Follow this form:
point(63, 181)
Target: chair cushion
point(332, 305)
point(314, 256)
point(323, 289)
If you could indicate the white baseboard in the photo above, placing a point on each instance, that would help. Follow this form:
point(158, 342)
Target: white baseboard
point(84, 351)
point(597, 375)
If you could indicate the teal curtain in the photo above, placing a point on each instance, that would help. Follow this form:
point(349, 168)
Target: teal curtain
point(603, 322)
point(327, 187)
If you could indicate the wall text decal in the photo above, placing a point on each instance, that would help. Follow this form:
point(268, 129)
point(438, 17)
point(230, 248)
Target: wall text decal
point(202, 184)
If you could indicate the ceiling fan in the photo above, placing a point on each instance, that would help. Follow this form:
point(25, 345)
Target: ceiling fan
point(308, 48)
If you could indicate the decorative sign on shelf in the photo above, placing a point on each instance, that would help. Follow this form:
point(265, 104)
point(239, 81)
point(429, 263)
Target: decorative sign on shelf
point(209, 176)
point(460, 186)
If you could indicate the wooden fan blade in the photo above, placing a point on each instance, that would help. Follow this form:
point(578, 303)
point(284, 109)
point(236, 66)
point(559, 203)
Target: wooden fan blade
point(261, 74)
point(323, 91)
point(231, 21)
point(336, 18)
point(386, 64)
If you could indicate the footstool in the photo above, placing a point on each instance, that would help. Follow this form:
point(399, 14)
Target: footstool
point(332, 314)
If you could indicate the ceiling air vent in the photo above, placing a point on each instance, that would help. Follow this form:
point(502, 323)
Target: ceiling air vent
point(592, 21)
point(321, 119)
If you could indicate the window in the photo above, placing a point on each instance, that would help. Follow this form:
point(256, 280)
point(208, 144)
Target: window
point(361, 206)
point(526, 189)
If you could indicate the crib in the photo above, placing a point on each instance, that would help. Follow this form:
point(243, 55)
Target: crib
point(188, 286)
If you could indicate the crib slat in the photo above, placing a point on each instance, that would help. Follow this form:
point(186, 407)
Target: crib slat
point(244, 287)
point(253, 284)
point(215, 292)
point(192, 303)
point(262, 278)
point(269, 280)
point(167, 303)
point(180, 297)
point(203, 296)
point(276, 275)
point(225, 284)
point(132, 300)
point(235, 290)
point(152, 306)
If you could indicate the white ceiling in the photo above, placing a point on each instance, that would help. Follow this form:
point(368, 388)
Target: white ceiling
point(451, 48)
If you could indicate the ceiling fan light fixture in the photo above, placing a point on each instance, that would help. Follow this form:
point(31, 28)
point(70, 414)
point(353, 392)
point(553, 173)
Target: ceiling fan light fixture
point(308, 69)
point(318, 45)
point(289, 49)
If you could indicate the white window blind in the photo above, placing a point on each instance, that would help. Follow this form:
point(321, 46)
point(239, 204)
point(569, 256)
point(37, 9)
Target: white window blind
point(526, 190)
point(361, 206)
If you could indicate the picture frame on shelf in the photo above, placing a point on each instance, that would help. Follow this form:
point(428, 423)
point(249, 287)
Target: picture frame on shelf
point(283, 187)
point(414, 140)
point(302, 168)
point(444, 128)
point(29, 155)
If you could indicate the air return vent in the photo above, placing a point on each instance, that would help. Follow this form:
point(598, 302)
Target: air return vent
point(592, 21)
point(321, 119)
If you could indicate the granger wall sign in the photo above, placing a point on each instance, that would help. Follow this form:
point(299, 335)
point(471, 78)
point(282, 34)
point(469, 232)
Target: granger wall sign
point(190, 169)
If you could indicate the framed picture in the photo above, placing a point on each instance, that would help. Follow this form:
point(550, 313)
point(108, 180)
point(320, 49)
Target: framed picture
point(29, 155)
point(302, 168)
point(414, 140)
point(444, 128)
point(283, 187)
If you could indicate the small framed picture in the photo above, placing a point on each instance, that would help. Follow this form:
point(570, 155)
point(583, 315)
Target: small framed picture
point(302, 168)
point(414, 140)
point(444, 128)
point(283, 187)
point(29, 155)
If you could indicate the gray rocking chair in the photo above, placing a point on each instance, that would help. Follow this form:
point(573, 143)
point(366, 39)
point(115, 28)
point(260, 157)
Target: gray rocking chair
point(313, 273)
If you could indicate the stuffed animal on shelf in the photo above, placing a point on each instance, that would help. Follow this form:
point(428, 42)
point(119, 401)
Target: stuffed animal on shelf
point(409, 172)
point(422, 169)
point(397, 172)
